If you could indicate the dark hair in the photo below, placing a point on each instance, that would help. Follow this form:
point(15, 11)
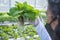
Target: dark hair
point(55, 8)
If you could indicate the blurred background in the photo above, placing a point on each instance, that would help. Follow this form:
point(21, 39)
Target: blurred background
point(8, 28)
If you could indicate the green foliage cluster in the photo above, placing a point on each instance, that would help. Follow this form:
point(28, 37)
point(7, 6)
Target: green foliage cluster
point(29, 32)
point(20, 10)
point(24, 10)
point(6, 32)
point(9, 18)
point(6, 17)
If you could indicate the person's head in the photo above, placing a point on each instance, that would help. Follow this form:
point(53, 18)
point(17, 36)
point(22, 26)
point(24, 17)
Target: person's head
point(49, 15)
point(53, 11)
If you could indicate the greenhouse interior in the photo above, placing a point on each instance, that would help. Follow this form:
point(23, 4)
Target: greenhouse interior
point(24, 20)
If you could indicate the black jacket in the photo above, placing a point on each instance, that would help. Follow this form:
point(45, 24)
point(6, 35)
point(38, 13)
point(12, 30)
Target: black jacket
point(55, 35)
point(49, 29)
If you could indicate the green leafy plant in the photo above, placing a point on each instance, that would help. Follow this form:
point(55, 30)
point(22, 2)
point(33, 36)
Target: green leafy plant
point(6, 32)
point(29, 32)
point(20, 11)
point(6, 17)
point(23, 11)
point(1, 14)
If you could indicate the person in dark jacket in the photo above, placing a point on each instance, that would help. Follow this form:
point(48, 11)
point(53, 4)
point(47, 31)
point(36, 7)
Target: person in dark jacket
point(53, 20)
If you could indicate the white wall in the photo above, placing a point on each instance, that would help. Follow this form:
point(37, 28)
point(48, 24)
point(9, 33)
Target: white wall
point(6, 4)
point(41, 4)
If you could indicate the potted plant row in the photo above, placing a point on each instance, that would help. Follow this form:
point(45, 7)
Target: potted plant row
point(22, 12)
point(7, 32)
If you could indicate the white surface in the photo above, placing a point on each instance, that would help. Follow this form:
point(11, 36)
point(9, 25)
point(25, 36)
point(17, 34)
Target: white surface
point(41, 30)
point(8, 23)
point(39, 4)
point(4, 5)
